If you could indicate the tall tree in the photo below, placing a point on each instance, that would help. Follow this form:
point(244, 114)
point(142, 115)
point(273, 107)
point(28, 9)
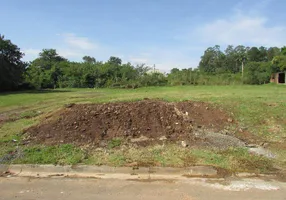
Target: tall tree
point(263, 54)
point(272, 52)
point(114, 60)
point(283, 51)
point(44, 71)
point(47, 58)
point(253, 54)
point(241, 57)
point(280, 63)
point(212, 60)
point(11, 65)
point(88, 59)
point(230, 60)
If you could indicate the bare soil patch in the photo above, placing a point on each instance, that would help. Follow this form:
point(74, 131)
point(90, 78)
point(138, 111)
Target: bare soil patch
point(155, 120)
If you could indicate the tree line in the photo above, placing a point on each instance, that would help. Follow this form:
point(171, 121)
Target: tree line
point(234, 65)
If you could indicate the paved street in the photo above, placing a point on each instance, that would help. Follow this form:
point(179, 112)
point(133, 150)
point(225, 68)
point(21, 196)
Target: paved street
point(107, 189)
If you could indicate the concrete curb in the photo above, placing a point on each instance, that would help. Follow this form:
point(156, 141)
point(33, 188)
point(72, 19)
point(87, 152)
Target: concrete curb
point(106, 172)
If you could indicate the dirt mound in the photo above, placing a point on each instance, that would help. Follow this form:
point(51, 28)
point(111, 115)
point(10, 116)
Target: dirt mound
point(92, 123)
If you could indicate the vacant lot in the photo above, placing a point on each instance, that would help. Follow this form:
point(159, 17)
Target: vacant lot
point(46, 126)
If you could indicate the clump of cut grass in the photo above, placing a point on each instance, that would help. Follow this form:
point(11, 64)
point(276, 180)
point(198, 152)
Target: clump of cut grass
point(115, 142)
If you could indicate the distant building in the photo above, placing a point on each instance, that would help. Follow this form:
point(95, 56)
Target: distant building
point(152, 71)
point(155, 71)
point(278, 78)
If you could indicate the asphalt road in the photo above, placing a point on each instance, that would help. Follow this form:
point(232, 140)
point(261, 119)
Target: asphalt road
point(108, 189)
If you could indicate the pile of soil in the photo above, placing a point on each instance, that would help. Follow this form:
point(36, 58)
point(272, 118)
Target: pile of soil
point(92, 123)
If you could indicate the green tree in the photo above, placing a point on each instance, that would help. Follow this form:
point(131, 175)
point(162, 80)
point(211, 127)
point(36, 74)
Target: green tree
point(283, 51)
point(142, 69)
point(12, 67)
point(258, 72)
point(253, 54)
point(88, 59)
point(115, 61)
point(47, 58)
point(240, 57)
point(280, 63)
point(272, 52)
point(44, 71)
point(212, 60)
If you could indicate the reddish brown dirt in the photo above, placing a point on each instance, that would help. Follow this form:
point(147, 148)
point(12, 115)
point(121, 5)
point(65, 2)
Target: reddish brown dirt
point(91, 123)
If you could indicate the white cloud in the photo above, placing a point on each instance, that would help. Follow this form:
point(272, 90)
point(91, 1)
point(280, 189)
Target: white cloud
point(242, 29)
point(31, 54)
point(74, 47)
point(164, 59)
point(83, 43)
point(70, 53)
point(137, 60)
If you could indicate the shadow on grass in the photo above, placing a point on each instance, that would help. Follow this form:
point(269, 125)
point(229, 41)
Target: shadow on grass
point(34, 92)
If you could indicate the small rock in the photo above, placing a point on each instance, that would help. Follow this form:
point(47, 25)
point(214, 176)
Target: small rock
point(99, 149)
point(251, 145)
point(25, 142)
point(224, 132)
point(103, 133)
point(176, 123)
point(187, 113)
point(242, 129)
point(163, 138)
point(184, 144)
point(264, 144)
point(230, 120)
point(69, 105)
point(124, 147)
point(168, 127)
point(207, 108)
point(261, 151)
point(246, 175)
point(133, 164)
point(14, 140)
point(197, 134)
point(102, 144)
point(140, 139)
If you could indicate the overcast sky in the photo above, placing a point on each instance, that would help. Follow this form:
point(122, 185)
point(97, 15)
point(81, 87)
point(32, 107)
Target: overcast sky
point(168, 33)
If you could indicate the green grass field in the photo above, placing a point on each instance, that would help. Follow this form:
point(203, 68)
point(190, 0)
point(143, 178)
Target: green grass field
point(261, 109)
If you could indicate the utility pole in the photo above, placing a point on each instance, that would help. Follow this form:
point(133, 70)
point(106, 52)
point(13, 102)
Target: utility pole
point(242, 68)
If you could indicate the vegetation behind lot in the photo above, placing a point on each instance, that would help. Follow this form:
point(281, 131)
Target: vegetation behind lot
point(232, 66)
